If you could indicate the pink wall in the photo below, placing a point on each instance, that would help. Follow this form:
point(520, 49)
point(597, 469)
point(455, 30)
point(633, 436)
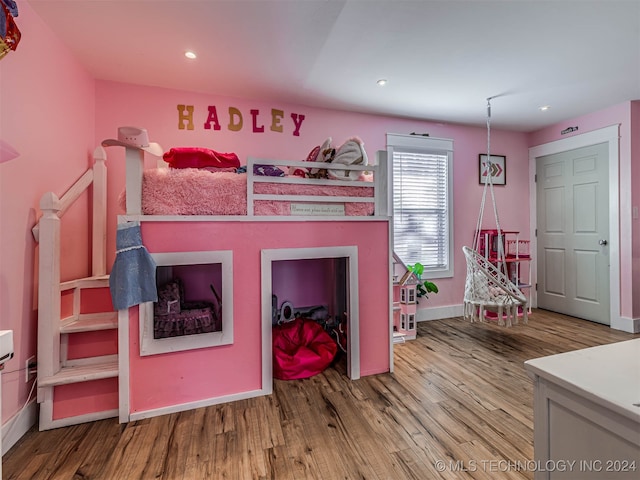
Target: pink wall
point(627, 115)
point(304, 283)
point(47, 115)
point(171, 379)
point(156, 109)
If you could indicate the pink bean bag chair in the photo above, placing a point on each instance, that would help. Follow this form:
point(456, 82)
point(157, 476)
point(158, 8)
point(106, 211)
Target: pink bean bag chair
point(301, 349)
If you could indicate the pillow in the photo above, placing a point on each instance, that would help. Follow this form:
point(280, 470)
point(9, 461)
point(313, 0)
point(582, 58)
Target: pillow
point(313, 154)
point(196, 157)
point(350, 152)
point(267, 170)
point(304, 172)
point(325, 155)
point(168, 299)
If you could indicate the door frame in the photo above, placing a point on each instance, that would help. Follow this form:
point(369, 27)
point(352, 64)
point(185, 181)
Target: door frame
point(609, 135)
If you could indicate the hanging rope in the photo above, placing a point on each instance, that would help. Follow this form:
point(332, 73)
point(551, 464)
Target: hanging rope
point(488, 185)
point(487, 285)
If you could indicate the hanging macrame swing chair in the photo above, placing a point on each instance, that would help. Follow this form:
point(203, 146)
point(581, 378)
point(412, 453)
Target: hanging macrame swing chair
point(487, 286)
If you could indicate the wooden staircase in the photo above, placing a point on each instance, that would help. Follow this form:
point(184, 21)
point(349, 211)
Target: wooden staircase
point(77, 360)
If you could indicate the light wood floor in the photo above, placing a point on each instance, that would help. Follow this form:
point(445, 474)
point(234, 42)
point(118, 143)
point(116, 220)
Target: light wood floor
point(459, 399)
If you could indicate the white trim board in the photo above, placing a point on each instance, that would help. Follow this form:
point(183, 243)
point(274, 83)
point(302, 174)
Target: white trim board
point(439, 313)
point(123, 365)
point(14, 428)
point(626, 324)
point(268, 256)
point(193, 405)
point(609, 135)
point(152, 346)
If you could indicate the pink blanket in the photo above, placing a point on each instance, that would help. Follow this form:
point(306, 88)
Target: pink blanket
point(192, 191)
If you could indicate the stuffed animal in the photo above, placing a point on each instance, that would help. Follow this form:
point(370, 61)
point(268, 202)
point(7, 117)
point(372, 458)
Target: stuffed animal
point(350, 152)
point(325, 155)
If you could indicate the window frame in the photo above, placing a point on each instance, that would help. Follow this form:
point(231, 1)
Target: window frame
point(428, 146)
point(411, 291)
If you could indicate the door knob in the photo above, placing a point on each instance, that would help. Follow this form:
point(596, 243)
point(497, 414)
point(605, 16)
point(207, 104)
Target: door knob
point(602, 242)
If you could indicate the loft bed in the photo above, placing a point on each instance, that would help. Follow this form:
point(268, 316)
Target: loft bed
point(364, 247)
point(170, 194)
point(257, 221)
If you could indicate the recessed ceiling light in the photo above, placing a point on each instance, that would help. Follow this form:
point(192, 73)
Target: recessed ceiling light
point(382, 82)
point(190, 54)
point(544, 108)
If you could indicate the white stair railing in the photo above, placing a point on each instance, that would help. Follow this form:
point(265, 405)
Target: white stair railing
point(96, 176)
point(47, 234)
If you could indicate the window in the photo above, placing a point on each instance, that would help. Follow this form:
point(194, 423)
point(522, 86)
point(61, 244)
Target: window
point(412, 295)
point(422, 201)
point(209, 265)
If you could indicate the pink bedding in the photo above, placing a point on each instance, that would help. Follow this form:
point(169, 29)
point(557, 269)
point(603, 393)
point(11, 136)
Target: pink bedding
point(193, 191)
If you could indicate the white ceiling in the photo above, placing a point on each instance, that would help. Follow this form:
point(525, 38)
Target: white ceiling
point(442, 59)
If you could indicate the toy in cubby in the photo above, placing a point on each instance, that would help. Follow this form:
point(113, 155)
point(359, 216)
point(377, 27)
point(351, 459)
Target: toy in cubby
point(513, 248)
point(515, 252)
point(518, 248)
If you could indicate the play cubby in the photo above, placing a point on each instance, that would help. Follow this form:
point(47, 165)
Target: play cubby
point(258, 259)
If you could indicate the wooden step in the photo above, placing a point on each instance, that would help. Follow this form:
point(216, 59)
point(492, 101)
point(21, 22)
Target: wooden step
point(83, 373)
point(100, 281)
point(89, 322)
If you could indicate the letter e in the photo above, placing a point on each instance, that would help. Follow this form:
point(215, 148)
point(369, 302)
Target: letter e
point(276, 118)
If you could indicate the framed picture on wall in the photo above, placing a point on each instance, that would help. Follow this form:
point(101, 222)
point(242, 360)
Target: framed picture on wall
point(497, 168)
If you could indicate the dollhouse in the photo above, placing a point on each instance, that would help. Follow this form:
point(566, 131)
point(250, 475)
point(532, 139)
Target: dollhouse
point(404, 301)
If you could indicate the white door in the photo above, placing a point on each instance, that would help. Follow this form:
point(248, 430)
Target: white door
point(572, 228)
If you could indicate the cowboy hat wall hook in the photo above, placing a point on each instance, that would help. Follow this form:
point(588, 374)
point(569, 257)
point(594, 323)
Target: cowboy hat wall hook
point(134, 137)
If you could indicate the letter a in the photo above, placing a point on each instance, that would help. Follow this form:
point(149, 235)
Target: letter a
point(213, 117)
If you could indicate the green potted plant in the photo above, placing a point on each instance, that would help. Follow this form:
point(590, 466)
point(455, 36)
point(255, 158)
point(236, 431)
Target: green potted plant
point(424, 287)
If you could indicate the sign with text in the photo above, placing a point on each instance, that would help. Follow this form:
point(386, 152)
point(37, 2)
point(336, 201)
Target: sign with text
point(330, 209)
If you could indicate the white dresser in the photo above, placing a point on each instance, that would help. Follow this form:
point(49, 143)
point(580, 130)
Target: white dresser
point(587, 413)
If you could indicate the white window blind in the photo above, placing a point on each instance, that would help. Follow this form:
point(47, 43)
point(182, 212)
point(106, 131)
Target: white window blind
point(422, 202)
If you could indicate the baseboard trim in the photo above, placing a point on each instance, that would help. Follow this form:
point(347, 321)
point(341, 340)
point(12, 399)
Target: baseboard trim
point(626, 324)
point(193, 405)
point(15, 428)
point(438, 313)
point(77, 419)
